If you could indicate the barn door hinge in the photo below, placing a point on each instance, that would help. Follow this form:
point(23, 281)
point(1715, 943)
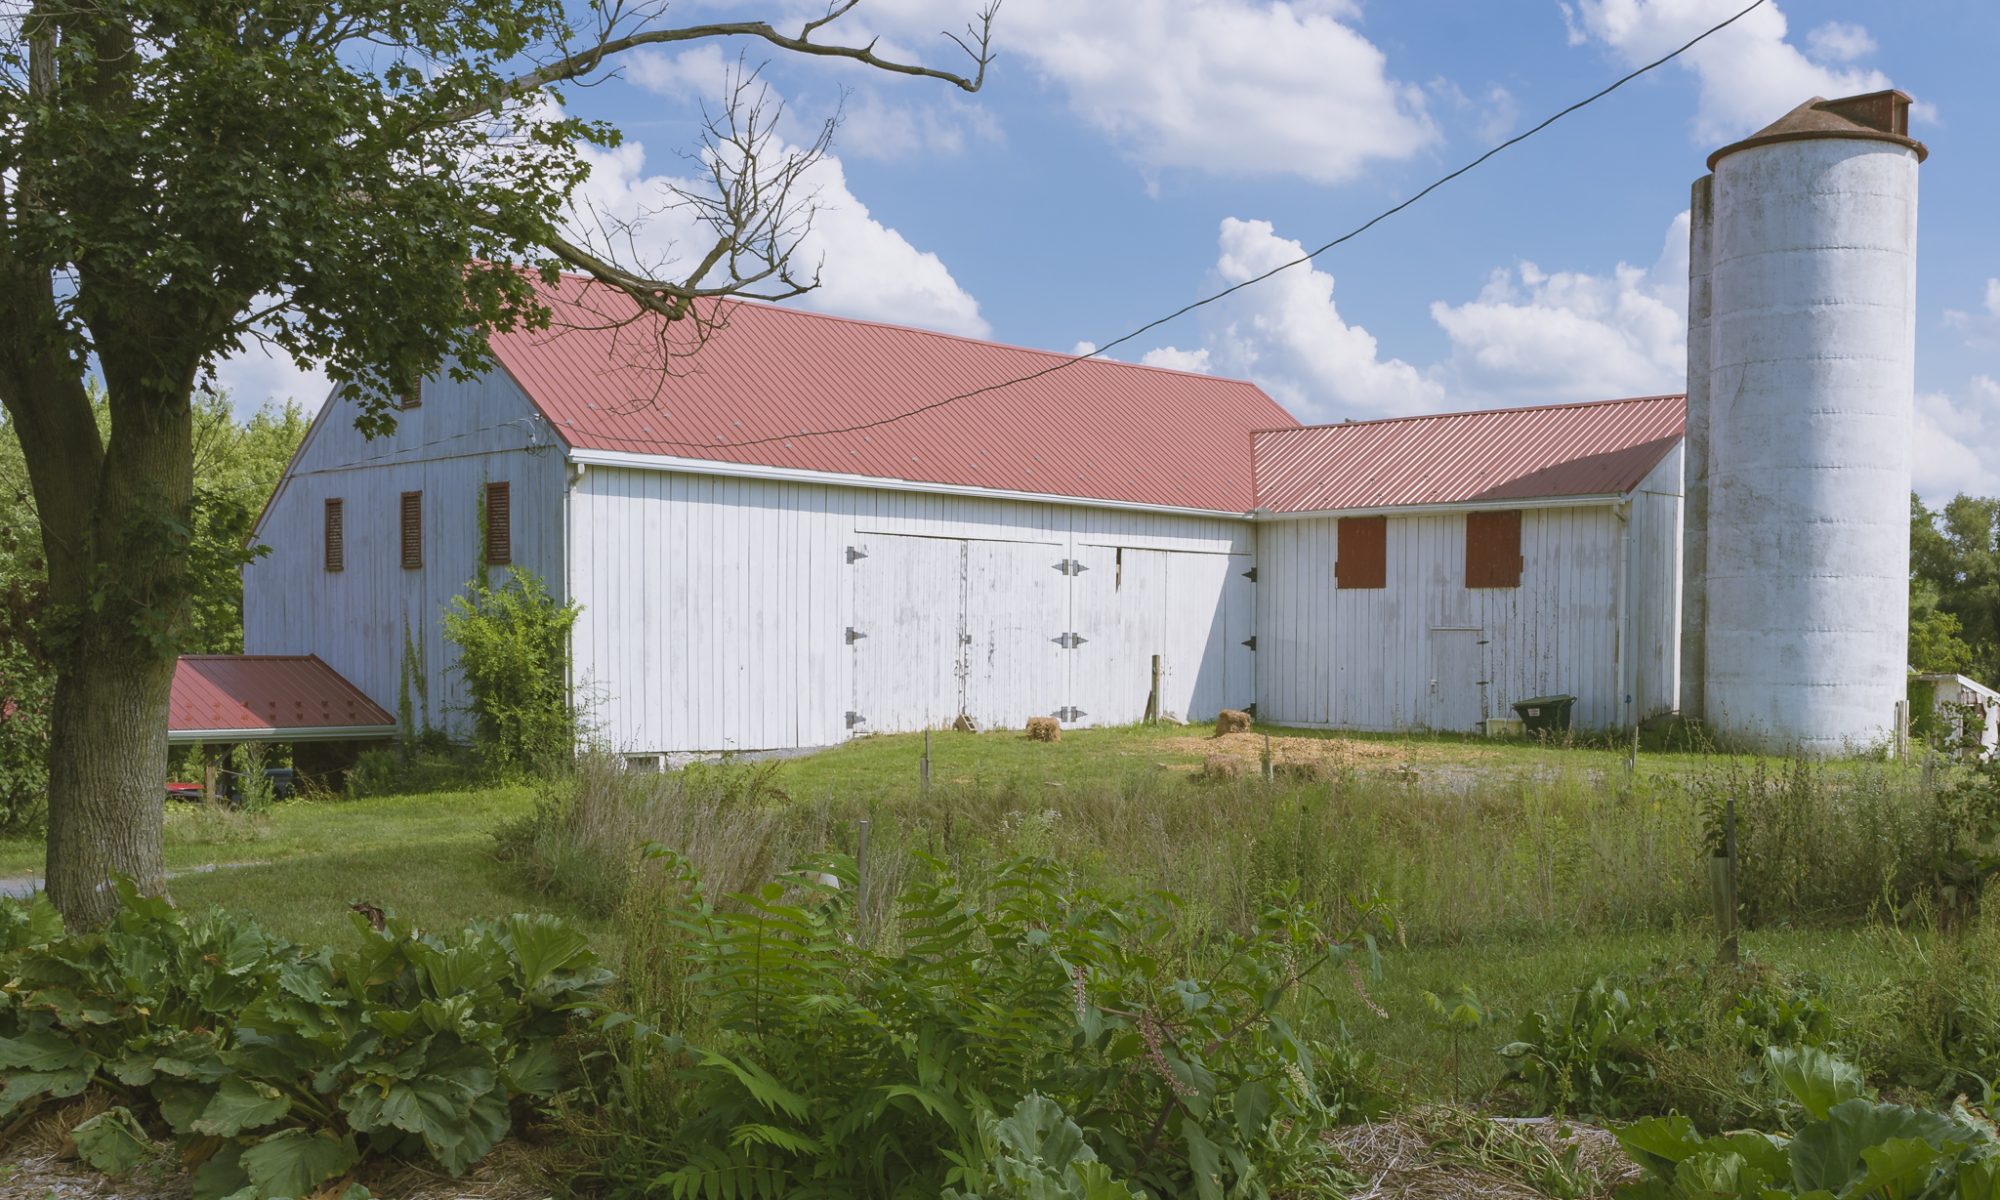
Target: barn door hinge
point(1069, 713)
point(1071, 566)
point(1070, 641)
point(1251, 574)
point(854, 553)
point(855, 718)
point(1251, 642)
point(854, 635)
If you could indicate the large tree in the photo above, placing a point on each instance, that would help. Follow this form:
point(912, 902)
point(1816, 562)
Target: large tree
point(370, 186)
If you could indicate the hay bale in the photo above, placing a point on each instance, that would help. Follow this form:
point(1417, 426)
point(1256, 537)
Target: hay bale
point(1299, 771)
point(1219, 768)
point(965, 724)
point(1044, 729)
point(1230, 720)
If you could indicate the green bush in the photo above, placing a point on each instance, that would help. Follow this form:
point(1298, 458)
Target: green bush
point(27, 692)
point(829, 1057)
point(513, 653)
point(279, 1068)
point(1842, 1144)
point(1677, 1039)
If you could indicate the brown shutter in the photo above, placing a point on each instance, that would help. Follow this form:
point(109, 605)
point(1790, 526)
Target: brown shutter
point(410, 393)
point(413, 531)
point(1361, 557)
point(499, 525)
point(1493, 549)
point(336, 536)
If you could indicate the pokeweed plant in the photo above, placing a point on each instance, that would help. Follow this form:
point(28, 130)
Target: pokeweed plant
point(824, 1064)
point(279, 1068)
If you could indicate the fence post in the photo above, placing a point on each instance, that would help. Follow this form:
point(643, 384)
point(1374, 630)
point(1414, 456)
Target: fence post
point(861, 884)
point(1270, 770)
point(1153, 697)
point(1722, 888)
point(924, 770)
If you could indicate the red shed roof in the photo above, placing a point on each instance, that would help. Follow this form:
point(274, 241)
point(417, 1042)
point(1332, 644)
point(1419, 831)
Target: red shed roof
point(278, 697)
point(1096, 430)
point(1598, 449)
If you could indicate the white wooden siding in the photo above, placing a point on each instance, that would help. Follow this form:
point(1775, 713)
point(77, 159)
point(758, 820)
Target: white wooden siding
point(716, 611)
point(358, 619)
point(1426, 651)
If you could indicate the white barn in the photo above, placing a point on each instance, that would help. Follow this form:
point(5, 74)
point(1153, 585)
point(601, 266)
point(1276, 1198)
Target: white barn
point(750, 581)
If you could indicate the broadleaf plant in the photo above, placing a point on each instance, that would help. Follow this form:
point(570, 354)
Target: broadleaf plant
point(280, 1068)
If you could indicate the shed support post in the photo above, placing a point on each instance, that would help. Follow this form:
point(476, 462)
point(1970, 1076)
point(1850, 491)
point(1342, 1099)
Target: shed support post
point(208, 771)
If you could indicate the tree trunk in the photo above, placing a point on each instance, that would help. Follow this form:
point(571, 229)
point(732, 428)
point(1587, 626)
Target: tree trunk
point(107, 779)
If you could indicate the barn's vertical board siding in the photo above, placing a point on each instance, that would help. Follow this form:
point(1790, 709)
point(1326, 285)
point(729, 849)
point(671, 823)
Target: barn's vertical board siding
point(1656, 586)
point(463, 436)
point(1365, 658)
point(715, 610)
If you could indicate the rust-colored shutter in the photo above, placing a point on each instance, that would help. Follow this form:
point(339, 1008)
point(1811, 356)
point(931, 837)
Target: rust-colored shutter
point(336, 536)
point(499, 525)
point(1361, 557)
point(1493, 549)
point(413, 531)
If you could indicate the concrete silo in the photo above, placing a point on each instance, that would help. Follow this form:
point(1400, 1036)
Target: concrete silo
point(1800, 388)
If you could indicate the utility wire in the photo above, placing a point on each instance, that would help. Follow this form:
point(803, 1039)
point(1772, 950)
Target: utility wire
point(1357, 231)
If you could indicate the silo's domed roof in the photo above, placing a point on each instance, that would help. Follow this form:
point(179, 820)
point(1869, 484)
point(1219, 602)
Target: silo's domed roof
point(1876, 116)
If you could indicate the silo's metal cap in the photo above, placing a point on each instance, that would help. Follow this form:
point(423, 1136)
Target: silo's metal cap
point(1876, 116)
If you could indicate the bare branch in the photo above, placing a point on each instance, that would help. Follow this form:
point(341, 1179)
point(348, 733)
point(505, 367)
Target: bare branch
point(977, 45)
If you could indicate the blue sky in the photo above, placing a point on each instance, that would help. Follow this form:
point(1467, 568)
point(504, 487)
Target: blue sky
point(1127, 157)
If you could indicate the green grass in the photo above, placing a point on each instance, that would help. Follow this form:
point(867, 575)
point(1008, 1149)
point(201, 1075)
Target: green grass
point(299, 866)
point(1568, 885)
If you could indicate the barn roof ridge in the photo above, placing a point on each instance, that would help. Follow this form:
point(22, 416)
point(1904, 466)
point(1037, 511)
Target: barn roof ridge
point(875, 323)
point(1473, 412)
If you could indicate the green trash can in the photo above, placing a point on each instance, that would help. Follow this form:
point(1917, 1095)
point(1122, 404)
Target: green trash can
point(1545, 714)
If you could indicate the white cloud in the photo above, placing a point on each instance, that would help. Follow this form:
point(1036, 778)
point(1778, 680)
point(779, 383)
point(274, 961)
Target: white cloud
point(1288, 335)
point(1981, 329)
point(1750, 74)
point(1954, 445)
point(867, 269)
point(874, 126)
point(1541, 337)
point(1266, 87)
point(1840, 42)
point(1529, 336)
point(1195, 361)
point(256, 375)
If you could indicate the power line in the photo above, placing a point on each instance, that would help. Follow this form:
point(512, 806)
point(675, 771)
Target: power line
point(1357, 231)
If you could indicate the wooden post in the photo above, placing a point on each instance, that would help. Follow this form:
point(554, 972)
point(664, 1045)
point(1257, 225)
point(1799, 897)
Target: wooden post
point(924, 769)
point(1722, 888)
point(1270, 770)
point(1153, 697)
point(208, 773)
point(861, 884)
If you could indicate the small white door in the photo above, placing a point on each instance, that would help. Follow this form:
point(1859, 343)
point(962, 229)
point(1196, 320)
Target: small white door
point(1118, 606)
point(1456, 658)
point(1239, 677)
point(908, 608)
point(1197, 658)
point(1016, 609)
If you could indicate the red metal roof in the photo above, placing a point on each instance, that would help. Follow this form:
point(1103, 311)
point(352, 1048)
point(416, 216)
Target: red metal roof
point(1598, 449)
point(216, 693)
point(1098, 430)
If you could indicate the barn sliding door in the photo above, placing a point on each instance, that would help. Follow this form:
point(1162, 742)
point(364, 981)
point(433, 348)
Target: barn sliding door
point(944, 626)
point(1015, 610)
point(905, 636)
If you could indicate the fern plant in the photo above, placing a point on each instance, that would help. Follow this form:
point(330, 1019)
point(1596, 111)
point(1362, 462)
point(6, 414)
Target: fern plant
point(836, 1068)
